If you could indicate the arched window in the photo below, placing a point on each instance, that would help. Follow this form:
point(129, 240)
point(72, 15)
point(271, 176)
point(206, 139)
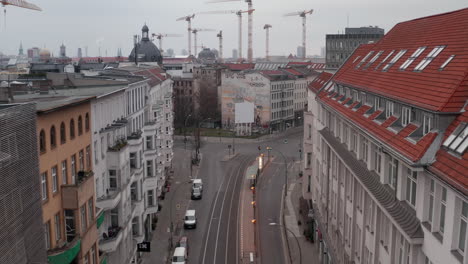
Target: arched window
point(86, 122)
point(42, 141)
point(53, 138)
point(63, 135)
point(80, 126)
point(72, 129)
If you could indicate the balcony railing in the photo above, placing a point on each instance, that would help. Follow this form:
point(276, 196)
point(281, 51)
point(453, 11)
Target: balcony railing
point(64, 254)
point(110, 240)
point(119, 144)
point(75, 194)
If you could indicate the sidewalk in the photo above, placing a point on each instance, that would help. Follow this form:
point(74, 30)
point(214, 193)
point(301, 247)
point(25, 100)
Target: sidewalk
point(309, 250)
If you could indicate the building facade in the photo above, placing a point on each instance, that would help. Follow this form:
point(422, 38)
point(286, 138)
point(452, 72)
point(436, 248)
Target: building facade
point(340, 46)
point(385, 166)
point(21, 233)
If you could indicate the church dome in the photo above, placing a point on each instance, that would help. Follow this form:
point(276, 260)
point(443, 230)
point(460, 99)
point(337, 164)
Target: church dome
point(206, 54)
point(44, 52)
point(146, 50)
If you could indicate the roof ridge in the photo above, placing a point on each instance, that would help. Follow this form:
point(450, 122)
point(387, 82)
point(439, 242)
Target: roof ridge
point(431, 16)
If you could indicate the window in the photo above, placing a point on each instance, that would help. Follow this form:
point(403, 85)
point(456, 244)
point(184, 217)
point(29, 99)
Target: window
point(377, 104)
point(47, 235)
point(72, 129)
point(44, 186)
point(429, 58)
point(394, 60)
point(86, 259)
point(449, 59)
point(54, 179)
point(63, 134)
point(81, 160)
point(92, 254)
point(149, 142)
point(443, 206)
point(431, 202)
point(88, 157)
point(58, 230)
point(384, 230)
point(90, 210)
point(458, 140)
point(392, 172)
point(114, 217)
point(87, 122)
point(364, 149)
point(83, 217)
point(310, 131)
point(309, 159)
point(373, 59)
point(402, 250)
point(150, 198)
point(149, 168)
point(389, 107)
point(385, 59)
point(462, 236)
point(412, 58)
point(354, 141)
point(42, 141)
point(411, 184)
point(364, 59)
point(64, 172)
point(133, 161)
point(405, 116)
point(80, 125)
point(53, 138)
point(112, 179)
point(427, 123)
point(73, 168)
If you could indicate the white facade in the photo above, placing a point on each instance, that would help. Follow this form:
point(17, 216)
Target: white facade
point(424, 223)
point(128, 146)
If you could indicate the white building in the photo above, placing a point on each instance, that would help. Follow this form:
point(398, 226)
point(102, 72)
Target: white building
point(385, 140)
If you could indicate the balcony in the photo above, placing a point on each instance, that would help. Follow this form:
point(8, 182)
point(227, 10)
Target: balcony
point(99, 218)
point(151, 182)
point(111, 240)
point(74, 195)
point(65, 254)
point(152, 209)
point(118, 146)
point(135, 135)
point(110, 200)
point(138, 206)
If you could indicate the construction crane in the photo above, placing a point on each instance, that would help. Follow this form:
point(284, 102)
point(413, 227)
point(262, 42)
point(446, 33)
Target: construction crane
point(267, 29)
point(250, 24)
point(239, 15)
point(160, 36)
point(302, 14)
point(195, 32)
point(18, 3)
point(189, 29)
point(220, 36)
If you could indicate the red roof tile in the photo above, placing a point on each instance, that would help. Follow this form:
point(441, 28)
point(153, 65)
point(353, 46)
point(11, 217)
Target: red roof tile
point(433, 89)
point(239, 66)
point(319, 81)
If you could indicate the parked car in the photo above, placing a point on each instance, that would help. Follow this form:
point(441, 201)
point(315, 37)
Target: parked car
point(183, 242)
point(180, 256)
point(196, 194)
point(190, 220)
point(197, 183)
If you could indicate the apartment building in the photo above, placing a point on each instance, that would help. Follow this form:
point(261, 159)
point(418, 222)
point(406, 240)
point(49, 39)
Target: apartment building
point(66, 177)
point(385, 145)
point(22, 238)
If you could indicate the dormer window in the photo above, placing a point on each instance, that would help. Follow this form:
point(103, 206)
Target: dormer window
point(429, 58)
point(389, 108)
point(427, 123)
point(377, 103)
point(458, 140)
point(405, 116)
point(412, 58)
point(394, 60)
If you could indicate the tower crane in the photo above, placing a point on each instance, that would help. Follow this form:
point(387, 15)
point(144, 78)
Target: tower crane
point(302, 14)
point(195, 32)
point(18, 3)
point(250, 24)
point(267, 29)
point(220, 37)
point(189, 29)
point(160, 36)
point(239, 15)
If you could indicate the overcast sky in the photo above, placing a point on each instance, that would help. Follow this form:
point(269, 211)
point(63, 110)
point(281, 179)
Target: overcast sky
point(112, 23)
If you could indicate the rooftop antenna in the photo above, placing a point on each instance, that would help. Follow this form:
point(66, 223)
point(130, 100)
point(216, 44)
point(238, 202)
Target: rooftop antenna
point(347, 20)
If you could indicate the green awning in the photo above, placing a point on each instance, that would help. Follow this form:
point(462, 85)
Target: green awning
point(103, 259)
point(66, 256)
point(100, 219)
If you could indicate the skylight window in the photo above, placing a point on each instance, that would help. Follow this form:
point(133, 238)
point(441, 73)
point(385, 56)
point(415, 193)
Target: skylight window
point(373, 59)
point(355, 59)
point(412, 58)
point(364, 59)
point(394, 59)
point(384, 60)
point(429, 58)
point(446, 62)
point(458, 140)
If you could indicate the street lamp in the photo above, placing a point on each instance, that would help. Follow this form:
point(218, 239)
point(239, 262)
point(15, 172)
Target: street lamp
point(185, 131)
point(295, 237)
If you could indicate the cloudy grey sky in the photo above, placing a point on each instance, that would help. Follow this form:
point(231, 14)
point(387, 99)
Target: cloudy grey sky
point(112, 23)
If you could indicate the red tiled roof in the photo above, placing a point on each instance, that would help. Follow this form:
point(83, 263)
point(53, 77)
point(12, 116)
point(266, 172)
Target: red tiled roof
point(433, 89)
point(153, 74)
point(450, 167)
point(398, 141)
point(239, 66)
point(310, 65)
point(294, 72)
point(318, 82)
point(102, 59)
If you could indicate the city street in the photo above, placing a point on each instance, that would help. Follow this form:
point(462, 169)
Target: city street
point(216, 238)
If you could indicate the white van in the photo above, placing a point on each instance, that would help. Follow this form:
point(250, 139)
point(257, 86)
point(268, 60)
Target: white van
point(197, 183)
point(190, 220)
point(180, 256)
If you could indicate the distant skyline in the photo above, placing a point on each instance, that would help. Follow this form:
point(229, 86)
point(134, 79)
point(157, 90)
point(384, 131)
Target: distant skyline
point(111, 25)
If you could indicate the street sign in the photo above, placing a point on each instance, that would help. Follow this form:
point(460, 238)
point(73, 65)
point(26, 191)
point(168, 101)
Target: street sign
point(144, 247)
